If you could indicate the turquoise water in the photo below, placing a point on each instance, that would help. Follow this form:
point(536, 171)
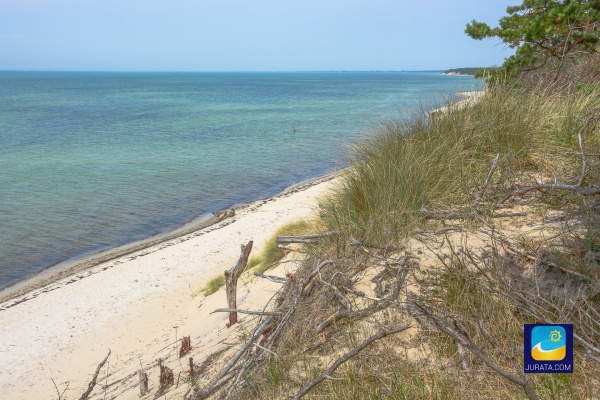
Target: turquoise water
point(89, 161)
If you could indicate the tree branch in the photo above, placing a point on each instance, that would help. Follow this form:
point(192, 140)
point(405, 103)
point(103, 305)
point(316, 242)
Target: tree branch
point(92, 384)
point(326, 374)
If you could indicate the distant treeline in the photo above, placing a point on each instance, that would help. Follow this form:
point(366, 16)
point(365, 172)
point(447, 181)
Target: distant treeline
point(465, 71)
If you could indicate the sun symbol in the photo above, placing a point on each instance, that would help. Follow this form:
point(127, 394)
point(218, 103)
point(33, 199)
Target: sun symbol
point(555, 336)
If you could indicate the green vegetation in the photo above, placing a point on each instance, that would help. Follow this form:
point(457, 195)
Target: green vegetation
point(213, 285)
point(465, 71)
point(414, 179)
point(464, 225)
point(542, 30)
point(271, 253)
point(402, 170)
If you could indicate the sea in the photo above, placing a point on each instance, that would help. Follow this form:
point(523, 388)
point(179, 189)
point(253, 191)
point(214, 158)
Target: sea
point(94, 160)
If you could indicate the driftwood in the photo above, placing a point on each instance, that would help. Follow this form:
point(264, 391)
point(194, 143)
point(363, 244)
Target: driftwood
point(305, 238)
point(143, 379)
point(269, 330)
point(326, 374)
point(186, 346)
point(231, 278)
point(92, 384)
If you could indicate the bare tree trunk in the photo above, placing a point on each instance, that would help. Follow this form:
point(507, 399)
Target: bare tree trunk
point(231, 278)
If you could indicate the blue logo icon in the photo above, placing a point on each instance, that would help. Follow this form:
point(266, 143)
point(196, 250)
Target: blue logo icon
point(548, 343)
point(548, 348)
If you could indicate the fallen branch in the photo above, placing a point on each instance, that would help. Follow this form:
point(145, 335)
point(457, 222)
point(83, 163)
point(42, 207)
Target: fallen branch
point(91, 385)
point(586, 191)
point(355, 242)
point(272, 278)
point(237, 310)
point(445, 327)
point(305, 239)
point(326, 374)
point(343, 300)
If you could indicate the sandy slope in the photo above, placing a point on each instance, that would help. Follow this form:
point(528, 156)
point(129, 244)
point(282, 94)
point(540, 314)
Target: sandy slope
point(137, 306)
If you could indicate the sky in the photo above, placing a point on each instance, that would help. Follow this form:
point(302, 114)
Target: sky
point(246, 35)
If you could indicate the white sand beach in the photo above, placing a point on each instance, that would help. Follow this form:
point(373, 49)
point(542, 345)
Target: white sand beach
point(138, 305)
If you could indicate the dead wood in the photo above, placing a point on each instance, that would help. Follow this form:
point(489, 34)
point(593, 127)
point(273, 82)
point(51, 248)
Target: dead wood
point(270, 328)
point(272, 278)
point(217, 383)
point(343, 299)
point(186, 346)
point(465, 341)
point(191, 360)
point(326, 374)
point(92, 384)
point(487, 178)
point(237, 310)
point(143, 382)
point(166, 377)
point(209, 391)
point(579, 188)
point(231, 278)
point(305, 239)
point(356, 242)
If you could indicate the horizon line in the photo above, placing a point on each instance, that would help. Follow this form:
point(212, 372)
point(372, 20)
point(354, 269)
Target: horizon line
point(226, 71)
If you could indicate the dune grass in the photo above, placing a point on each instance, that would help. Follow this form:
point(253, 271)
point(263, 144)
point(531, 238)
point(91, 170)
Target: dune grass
point(271, 251)
point(405, 168)
point(213, 285)
point(398, 176)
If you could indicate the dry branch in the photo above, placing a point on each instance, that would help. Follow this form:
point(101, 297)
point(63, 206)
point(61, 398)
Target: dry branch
point(237, 310)
point(272, 278)
point(305, 239)
point(217, 382)
point(91, 385)
point(468, 344)
point(487, 178)
point(326, 374)
point(586, 191)
point(231, 278)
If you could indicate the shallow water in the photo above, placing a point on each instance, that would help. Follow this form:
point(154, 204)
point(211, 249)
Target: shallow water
point(89, 161)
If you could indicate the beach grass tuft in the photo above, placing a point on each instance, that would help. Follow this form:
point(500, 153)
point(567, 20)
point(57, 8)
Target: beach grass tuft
point(213, 285)
point(271, 252)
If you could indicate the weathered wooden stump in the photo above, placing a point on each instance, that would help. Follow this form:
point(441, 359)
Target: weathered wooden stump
point(231, 277)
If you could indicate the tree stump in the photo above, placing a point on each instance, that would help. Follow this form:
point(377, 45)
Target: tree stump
point(231, 278)
point(143, 377)
point(186, 346)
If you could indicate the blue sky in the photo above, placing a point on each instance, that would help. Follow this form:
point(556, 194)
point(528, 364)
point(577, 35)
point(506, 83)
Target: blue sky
point(251, 35)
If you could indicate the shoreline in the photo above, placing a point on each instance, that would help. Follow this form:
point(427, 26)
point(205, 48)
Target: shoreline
point(139, 305)
point(78, 265)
